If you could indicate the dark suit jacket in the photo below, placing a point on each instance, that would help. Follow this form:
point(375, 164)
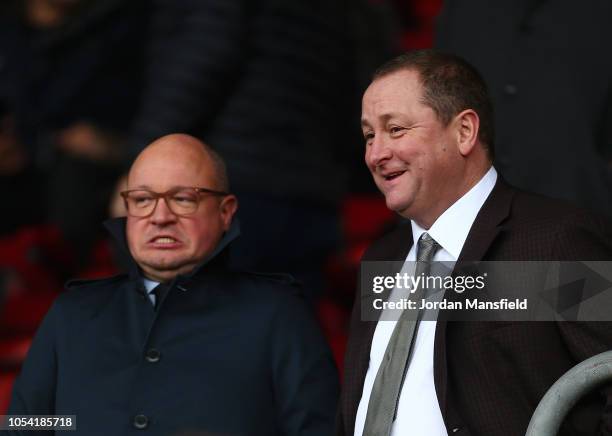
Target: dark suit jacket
point(489, 377)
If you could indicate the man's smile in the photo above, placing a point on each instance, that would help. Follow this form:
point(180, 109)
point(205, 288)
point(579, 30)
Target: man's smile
point(392, 175)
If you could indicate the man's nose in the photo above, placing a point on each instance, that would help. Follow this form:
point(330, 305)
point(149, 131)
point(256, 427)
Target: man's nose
point(162, 213)
point(378, 151)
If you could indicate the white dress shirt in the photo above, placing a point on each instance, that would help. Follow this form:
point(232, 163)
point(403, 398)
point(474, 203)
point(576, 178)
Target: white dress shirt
point(150, 285)
point(418, 412)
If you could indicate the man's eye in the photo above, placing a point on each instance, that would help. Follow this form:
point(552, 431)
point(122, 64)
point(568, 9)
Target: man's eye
point(368, 136)
point(142, 200)
point(395, 130)
point(180, 199)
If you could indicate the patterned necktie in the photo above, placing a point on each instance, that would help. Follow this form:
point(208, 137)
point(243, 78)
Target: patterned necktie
point(390, 377)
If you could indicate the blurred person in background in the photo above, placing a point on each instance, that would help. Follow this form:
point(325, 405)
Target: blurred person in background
point(70, 78)
point(545, 64)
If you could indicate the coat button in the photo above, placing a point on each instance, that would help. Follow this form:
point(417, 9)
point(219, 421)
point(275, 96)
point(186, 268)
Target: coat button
point(153, 355)
point(141, 422)
point(455, 430)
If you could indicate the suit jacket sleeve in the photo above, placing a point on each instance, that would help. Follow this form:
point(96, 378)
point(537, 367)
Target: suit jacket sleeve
point(34, 389)
point(304, 374)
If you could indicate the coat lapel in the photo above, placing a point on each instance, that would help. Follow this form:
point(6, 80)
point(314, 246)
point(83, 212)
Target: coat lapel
point(483, 232)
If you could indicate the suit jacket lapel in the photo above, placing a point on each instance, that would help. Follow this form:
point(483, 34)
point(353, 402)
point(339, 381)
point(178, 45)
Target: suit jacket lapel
point(483, 232)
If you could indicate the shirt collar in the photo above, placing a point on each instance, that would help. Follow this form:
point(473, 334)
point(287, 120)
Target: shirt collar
point(149, 284)
point(451, 228)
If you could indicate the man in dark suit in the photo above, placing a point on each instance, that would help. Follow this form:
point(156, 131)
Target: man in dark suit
point(428, 124)
point(181, 344)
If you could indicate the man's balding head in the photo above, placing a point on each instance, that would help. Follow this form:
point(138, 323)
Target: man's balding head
point(165, 244)
point(192, 149)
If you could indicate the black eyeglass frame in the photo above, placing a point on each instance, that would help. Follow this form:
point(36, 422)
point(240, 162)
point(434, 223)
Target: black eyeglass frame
point(168, 194)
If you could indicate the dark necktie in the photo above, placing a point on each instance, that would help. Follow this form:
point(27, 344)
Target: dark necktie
point(390, 376)
point(160, 292)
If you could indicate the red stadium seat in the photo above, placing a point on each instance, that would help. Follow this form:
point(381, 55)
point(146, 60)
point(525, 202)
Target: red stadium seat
point(6, 387)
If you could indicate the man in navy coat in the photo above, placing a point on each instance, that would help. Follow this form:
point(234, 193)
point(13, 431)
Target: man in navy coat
point(181, 344)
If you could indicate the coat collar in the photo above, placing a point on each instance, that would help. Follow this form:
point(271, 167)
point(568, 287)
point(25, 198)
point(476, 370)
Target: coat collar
point(116, 228)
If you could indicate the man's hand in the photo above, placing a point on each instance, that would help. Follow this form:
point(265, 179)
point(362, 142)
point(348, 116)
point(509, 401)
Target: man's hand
point(90, 142)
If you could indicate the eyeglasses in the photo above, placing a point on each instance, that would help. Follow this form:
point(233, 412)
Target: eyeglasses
point(181, 201)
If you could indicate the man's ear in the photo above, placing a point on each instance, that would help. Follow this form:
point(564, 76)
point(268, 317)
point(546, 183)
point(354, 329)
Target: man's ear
point(467, 125)
point(227, 208)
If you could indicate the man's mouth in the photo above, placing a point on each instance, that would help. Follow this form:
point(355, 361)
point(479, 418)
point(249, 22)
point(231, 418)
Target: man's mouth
point(163, 240)
point(393, 175)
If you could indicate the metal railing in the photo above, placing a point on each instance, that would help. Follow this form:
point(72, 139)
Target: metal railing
point(565, 393)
